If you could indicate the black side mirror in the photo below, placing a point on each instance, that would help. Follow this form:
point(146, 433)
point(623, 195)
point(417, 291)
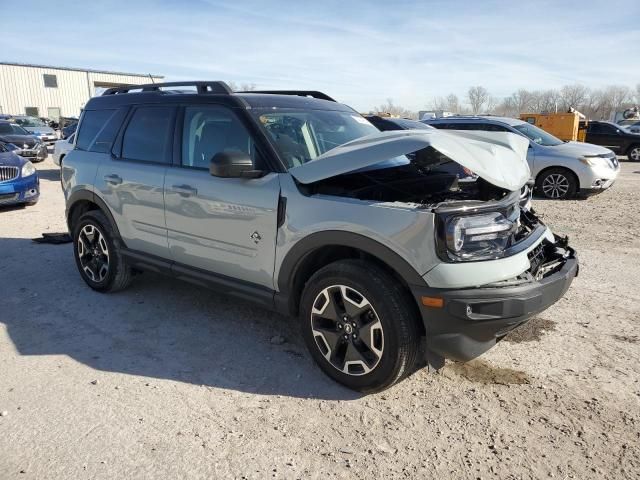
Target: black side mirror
point(233, 164)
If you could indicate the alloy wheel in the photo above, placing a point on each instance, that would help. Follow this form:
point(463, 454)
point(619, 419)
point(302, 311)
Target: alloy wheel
point(635, 154)
point(555, 185)
point(347, 330)
point(93, 253)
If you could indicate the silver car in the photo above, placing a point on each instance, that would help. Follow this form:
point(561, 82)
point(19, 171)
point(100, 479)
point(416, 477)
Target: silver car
point(37, 127)
point(559, 169)
point(297, 203)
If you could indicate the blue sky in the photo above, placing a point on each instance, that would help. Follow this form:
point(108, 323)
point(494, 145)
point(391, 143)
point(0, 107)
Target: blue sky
point(359, 52)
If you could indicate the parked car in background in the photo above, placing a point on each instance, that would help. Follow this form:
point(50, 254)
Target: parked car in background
point(559, 169)
point(29, 146)
point(19, 183)
point(68, 130)
point(296, 202)
point(61, 148)
point(386, 124)
point(614, 137)
point(37, 127)
point(66, 126)
point(632, 126)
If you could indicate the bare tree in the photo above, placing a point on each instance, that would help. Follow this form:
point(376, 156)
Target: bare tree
point(638, 93)
point(243, 87)
point(438, 103)
point(573, 96)
point(453, 104)
point(477, 97)
point(393, 109)
point(545, 101)
point(522, 100)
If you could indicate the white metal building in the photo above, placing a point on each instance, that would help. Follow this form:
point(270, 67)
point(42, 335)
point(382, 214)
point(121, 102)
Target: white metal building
point(51, 92)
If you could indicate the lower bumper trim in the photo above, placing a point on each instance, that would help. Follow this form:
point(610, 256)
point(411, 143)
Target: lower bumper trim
point(473, 320)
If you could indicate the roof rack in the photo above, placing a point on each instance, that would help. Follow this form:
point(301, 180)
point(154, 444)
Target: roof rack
point(201, 87)
point(299, 93)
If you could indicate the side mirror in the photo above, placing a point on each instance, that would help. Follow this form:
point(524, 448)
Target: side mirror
point(233, 164)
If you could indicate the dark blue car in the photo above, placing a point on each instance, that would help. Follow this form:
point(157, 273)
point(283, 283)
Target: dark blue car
point(19, 183)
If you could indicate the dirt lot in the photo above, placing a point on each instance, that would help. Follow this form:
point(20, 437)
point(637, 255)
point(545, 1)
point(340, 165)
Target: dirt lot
point(166, 380)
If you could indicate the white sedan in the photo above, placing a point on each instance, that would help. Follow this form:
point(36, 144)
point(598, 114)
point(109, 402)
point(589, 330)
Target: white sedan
point(61, 148)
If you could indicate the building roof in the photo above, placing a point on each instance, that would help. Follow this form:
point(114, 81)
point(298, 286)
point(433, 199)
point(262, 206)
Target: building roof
point(29, 65)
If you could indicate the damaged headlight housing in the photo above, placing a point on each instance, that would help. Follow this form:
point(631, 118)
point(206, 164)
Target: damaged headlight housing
point(478, 237)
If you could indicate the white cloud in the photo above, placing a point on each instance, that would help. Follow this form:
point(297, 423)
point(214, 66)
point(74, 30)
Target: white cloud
point(358, 52)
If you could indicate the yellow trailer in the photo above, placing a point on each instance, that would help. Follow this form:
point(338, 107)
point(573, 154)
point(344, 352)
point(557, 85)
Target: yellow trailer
point(565, 126)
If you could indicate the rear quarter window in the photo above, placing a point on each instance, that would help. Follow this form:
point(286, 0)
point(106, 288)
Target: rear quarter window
point(91, 124)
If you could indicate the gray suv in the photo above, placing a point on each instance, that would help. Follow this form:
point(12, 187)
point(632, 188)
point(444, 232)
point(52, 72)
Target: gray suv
point(560, 169)
point(295, 202)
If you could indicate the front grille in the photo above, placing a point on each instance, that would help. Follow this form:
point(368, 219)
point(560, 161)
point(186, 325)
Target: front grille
point(9, 198)
point(8, 173)
point(536, 258)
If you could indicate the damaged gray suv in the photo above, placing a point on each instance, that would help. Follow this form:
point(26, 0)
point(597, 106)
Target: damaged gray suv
point(296, 202)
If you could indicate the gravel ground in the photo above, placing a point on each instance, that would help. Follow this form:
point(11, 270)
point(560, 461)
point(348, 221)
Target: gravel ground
point(167, 380)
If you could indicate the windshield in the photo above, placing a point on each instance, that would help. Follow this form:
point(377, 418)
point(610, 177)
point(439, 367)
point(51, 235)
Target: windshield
point(303, 135)
point(537, 135)
point(30, 122)
point(18, 130)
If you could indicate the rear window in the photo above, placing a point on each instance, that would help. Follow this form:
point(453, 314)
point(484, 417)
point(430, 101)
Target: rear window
point(92, 122)
point(148, 134)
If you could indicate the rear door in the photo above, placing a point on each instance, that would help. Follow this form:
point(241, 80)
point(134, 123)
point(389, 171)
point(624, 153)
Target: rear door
point(225, 226)
point(131, 180)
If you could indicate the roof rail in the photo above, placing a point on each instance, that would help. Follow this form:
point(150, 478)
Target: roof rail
point(201, 87)
point(299, 93)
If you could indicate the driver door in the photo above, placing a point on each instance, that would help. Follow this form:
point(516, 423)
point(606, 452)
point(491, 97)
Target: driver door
point(225, 226)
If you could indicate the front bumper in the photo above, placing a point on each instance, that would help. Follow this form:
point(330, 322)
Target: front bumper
point(20, 190)
point(598, 179)
point(470, 321)
point(37, 153)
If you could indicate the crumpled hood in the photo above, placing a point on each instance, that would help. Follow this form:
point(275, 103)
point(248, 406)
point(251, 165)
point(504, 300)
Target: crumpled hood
point(498, 157)
point(580, 148)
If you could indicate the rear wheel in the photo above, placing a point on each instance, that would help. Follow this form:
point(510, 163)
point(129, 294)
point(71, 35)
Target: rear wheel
point(359, 326)
point(97, 253)
point(634, 153)
point(557, 184)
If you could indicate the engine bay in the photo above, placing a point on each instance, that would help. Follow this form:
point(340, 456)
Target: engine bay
point(430, 178)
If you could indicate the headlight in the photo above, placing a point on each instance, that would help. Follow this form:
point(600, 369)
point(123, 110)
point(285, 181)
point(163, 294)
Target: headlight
point(478, 237)
point(595, 161)
point(28, 169)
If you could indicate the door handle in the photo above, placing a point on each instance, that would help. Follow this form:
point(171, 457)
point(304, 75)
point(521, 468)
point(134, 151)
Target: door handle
point(184, 190)
point(113, 179)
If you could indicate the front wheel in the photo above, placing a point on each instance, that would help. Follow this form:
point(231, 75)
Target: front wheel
point(359, 326)
point(557, 184)
point(634, 153)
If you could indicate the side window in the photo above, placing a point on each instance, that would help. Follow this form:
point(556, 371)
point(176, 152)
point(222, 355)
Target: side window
point(92, 122)
point(602, 128)
point(148, 135)
point(208, 130)
point(492, 127)
point(105, 137)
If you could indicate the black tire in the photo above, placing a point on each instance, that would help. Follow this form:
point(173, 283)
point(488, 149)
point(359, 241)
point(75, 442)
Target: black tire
point(118, 273)
point(397, 332)
point(634, 153)
point(557, 184)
